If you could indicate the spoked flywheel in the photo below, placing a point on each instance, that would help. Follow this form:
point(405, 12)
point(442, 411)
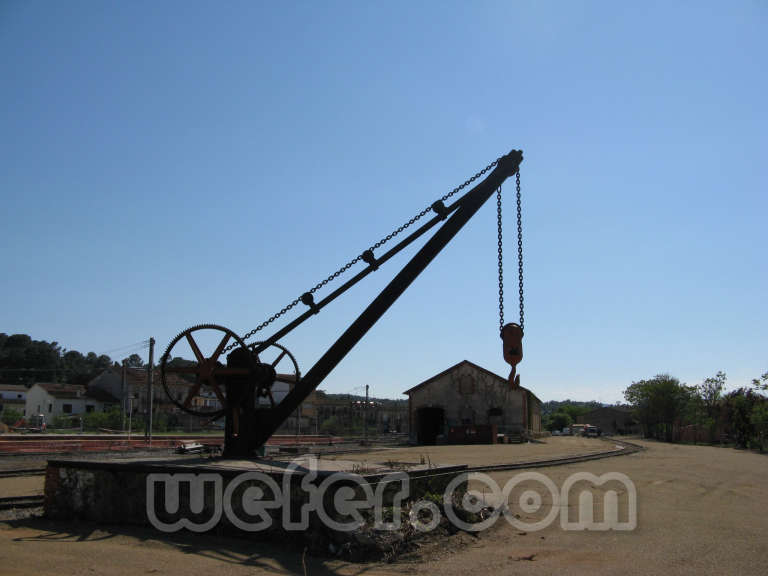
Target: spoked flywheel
point(197, 386)
point(273, 364)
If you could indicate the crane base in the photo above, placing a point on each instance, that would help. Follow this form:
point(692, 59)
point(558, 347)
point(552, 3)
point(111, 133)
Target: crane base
point(249, 495)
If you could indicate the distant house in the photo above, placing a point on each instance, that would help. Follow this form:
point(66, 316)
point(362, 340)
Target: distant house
point(611, 420)
point(13, 397)
point(53, 399)
point(125, 383)
point(465, 397)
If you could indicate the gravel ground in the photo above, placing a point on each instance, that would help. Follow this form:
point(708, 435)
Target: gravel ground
point(701, 510)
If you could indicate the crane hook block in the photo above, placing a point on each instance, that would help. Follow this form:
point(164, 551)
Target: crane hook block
point(309, 300)
point(370, 259)
point(512, 338)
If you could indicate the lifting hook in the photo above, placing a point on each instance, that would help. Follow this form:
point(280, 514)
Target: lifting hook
point(512, 338)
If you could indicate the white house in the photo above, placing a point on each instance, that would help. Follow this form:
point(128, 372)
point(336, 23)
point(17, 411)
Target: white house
point(53, 399)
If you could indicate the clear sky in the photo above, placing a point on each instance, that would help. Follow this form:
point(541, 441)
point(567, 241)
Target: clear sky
point(171, 163)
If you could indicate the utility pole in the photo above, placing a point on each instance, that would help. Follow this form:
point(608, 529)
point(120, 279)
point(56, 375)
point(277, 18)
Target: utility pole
point(150, 395)
point(130, 412)
point(123, 393)
point(365, 418)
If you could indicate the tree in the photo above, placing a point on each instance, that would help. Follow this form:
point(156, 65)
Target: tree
point(559, 420)
point(710, 391)
point(761, 383)
point(25, 360)
point(660, 404)
point(704, 410)
point(739, 405)
point(134, 361)
point(759, 420)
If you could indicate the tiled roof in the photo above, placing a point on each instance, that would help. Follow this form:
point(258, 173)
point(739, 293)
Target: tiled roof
point(13, 388)
point(138, 377)
point(58, 390)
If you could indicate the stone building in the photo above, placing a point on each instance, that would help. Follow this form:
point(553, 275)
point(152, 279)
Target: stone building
point(124, 383)
point(467, 395)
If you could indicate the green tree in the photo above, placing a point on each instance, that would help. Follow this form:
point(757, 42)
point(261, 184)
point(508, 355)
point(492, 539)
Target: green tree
point(559, 420)
point(704, 404)
point(660, 404)
point(134, 361)
point(759, 420)
point(710, 391)
point(10, 416)
point(739, 405)
point(23, 360)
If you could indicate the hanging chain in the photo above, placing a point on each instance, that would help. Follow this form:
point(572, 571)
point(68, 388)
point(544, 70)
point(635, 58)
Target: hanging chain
point(354, 261)
point(501, 262)
point(519, 255)
point(520, 250)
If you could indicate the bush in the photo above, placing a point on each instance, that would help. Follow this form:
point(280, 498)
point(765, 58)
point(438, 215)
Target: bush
point(64, 422)
point(10, 416)
point(111, 420)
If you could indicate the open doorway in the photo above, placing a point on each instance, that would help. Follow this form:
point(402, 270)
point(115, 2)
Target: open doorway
point(429, 424)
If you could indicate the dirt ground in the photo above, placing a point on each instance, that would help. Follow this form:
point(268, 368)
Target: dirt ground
point(701, 510)
point(21, 486)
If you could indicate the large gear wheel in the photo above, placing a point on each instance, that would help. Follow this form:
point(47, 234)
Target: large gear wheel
point(277, 357)
point(206, 396)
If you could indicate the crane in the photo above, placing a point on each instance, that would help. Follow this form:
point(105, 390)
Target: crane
point(243, 387)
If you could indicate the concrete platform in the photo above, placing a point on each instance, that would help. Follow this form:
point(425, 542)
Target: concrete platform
point(254, 495)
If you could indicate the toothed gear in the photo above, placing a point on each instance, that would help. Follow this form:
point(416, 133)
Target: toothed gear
point(205, 369)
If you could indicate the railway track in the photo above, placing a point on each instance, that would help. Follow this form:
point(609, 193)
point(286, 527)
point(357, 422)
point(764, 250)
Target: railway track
point(626, 448)
point(13, 502)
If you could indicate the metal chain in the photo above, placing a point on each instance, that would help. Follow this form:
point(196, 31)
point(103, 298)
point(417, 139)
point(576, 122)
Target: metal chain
point(501, 262)
point(519, 255)
point(351, 263)
point(520, 250)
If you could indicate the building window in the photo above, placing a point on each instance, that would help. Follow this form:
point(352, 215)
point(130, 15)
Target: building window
point(18, 395)
point(89, 407)
point(66, 408)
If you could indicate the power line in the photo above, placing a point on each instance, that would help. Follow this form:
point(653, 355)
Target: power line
point(137, 345)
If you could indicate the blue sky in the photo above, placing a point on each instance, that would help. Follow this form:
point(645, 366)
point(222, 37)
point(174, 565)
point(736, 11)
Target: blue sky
point(167, 164)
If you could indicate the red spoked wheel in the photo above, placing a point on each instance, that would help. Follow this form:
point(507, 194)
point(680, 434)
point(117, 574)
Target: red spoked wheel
point(195, 385)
